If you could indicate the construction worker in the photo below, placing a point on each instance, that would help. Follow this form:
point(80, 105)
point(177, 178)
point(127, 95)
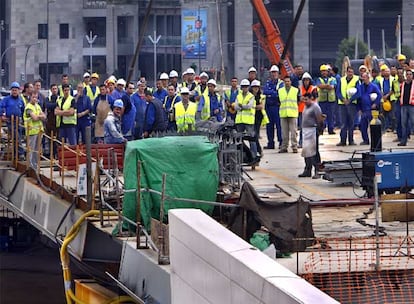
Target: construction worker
point(174, 80)
point(402, 61)
point(92, 90)
point(138, 99)
point(119, 89)
point(385, 84)
point(369, 97)
point(33, 122)
point(189, 83)
point(41, 99)
point(160, 92)
point(245, 107)
point(101, 108)
point(65, 112)
point(50, 105)
point(260, 113)
point(345, 89)
point(168, 105)
point(83, 109)
point(128, 112)
point(326, 91)
point(288, 97)
point(305, 88)
point(407, 106)
point(230, 96)
point(201, 88)
point(164, 80)
point(112, 125)
point(185, 112)
point(312, 118)
point(210, 104)
point(252, 74)
point(86, 79)
point(110, 85)
point(65, 81)
point(11, 109)
point(296, 78)
point(26, 92)
point(154, 121)
point(272, 108)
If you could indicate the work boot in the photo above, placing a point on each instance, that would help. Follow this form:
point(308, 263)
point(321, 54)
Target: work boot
point(305, 173)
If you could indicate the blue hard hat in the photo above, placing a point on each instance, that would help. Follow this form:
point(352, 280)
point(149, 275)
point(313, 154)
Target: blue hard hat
point(118, 103)
point(15, 84)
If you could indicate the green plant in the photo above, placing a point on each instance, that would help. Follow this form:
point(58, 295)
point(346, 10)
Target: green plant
point(347, 48)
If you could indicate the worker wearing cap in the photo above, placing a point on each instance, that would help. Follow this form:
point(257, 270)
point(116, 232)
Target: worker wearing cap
point(168, 105)
point(252, 74)
point(83, 110)
point(112, 125)
point(385, 84)
point(369, 97)
point(33, 123)
point(347, 109)
point(210, 103)
point(66, 119)
point(154, 120)
point(326, 91)
point(92, 90)
point(65, 81)
point(272, 108)
point(230, 96)
point(201, 88)
point(185, 112)
point(289, 97)
point(138, 99)
point(160, 92)
point(407, 106)
point(13, 106)
point(174, 80)
point(245, 107)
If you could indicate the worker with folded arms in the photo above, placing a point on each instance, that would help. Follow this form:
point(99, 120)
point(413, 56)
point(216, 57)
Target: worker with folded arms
point(369, 97)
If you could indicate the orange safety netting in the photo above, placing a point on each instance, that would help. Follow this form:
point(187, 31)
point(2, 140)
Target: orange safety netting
point(363, 270)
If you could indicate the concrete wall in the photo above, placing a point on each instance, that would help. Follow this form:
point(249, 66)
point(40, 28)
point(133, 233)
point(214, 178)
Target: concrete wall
point(210, 264)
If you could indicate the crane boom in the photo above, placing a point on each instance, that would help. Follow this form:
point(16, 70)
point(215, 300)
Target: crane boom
point(270, 38)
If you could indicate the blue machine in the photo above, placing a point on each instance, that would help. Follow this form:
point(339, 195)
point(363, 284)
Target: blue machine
point(394, 170)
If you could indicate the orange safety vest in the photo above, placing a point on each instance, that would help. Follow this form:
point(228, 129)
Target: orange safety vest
point(303, 91)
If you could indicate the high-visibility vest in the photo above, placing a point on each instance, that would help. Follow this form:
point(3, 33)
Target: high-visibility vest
point(90, 94)
point(262, 101)
point(25, 100)
point(68, 120)
point(205, 112)
point(164, 105)
point(345, 86)
point(245, 116)
point(325, 94)
point(33, 127)
point(183, 117)
point(303, 91)
point(288, 102)
point(411, 100)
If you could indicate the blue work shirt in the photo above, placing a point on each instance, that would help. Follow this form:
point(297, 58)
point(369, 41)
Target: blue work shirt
point(12, 106)
point(364, 98)
point(215, 104)
point(160, 94)
point(83, 103)
point(270, 91)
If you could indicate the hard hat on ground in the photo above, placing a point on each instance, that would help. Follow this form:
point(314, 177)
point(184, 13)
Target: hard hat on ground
point(306, 75)
point(274, 68)
point(373, 96)
point(401, 57)
point(95, 75)
point(121, 82)
point(204, 74)
point(184, 90)
point(164, 76)
point(351, 92)
point(86, 75)
point(252, 69)
point(118, 103)
point(14, 85)
point(323, 67)
point(255, 83)
point(212, 82)
point(244, 83)
point(173, 73)
point(387, 106)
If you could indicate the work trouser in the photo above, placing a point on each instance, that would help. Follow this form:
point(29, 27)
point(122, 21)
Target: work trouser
point(407, 120)
point(327, 109)
point(348, 113)
point(289, 128)
point(69, 134)
point(249, 130)
point(274, 121)
point(366, 118)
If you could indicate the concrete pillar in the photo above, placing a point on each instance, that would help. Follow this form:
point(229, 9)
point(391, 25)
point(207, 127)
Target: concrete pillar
point(356, 17)
point(111, 30)
point(407, 21)
point(243, 36)
point(301, 37)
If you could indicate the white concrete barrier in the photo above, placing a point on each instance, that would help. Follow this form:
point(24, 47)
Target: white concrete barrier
point(210, 264)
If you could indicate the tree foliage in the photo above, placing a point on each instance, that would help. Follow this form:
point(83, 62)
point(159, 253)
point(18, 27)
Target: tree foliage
point(347, 48)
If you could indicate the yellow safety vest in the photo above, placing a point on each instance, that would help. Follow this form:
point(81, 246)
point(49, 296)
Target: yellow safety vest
point(68, 120)
point(345, 86)
point(205, 112)
point(325, 94)
point(288, 102)
point(33, 127)
point(245, 116)
point(25, 100)
point(90, 94)
point(265, 119)
point(183, 117)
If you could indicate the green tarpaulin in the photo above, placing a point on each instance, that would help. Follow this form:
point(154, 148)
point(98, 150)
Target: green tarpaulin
point(191, 167)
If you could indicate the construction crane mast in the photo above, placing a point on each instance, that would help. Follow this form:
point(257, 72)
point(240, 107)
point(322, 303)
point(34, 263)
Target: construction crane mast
point(270, 39)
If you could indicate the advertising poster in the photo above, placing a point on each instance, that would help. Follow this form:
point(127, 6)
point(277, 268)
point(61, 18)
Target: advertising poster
point(194, 33)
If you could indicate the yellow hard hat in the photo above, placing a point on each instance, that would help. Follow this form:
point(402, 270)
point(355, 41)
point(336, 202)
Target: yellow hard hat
point(386, 105)
point(95, 75)
point(323, 67)
point(401, 57)
point(384, 67)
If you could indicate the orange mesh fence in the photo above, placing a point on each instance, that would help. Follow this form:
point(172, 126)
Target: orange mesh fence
point(349, 271)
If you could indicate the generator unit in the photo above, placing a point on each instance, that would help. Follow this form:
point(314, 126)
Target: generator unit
point(394, 171)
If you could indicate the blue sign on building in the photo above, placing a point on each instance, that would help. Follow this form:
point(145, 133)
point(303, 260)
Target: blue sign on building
point(194, 33)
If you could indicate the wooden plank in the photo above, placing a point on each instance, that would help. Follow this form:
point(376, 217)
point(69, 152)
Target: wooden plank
point(393, 211)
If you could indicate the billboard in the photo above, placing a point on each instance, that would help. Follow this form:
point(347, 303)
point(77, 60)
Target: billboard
point(194, 33)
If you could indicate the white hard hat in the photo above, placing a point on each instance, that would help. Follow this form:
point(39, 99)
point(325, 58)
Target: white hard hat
point(274, 68)
point(306, 75)
point(252, 69)
point(184, 90)
point(255, 83)
point(173, 73)
point(164, 76)
point(373, 96)
point(213, 82)
point(190, 71)
point(204, 74)
point(112, 79)
point(86, 75)
point(351, 92)
point(121, 82)
point(244, 83)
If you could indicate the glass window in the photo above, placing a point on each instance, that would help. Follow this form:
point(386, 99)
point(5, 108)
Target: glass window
point(42, 31)
point(64, 31)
